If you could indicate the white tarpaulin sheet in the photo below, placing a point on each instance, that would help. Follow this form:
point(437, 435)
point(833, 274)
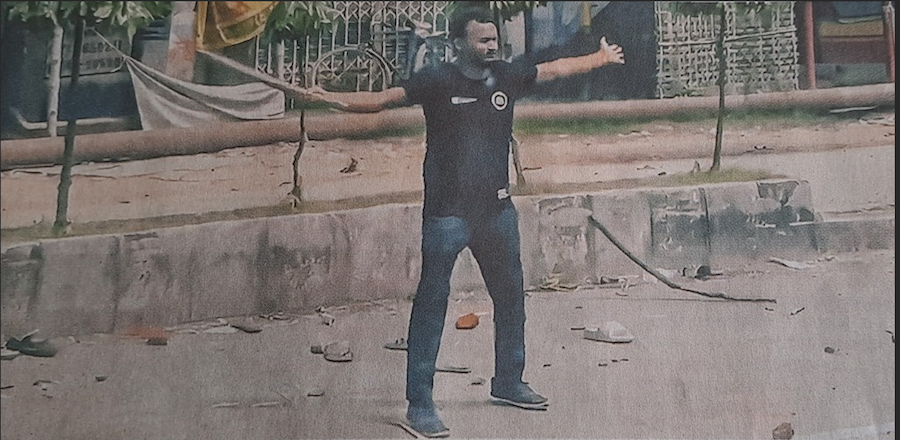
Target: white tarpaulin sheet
point(166, 102)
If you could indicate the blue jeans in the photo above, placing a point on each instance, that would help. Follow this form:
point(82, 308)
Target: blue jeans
point(494, 242)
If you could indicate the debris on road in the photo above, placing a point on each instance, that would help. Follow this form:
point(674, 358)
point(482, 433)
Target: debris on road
point(226, 405)
point(830, 350)
point(265, 404)
point(791, 264)
point(397, 344)
point(151, 334)
point(795, 312)
point(247, 327)
point(315, 392)
point(327, 318)
point(614, 282)
point(338, 352)
point(702, 272)
point(276, 316)
point(453, 369)
point(100, 378)
point(478, 381)
point(610, 331)
point(879, 120)
point(47, 388)
point(221, 330)
point(602, 364)
point(8, 355)
point(350, 168)
point(552, 282)
point(783, 431)
point(892, 335)
point(467, 322)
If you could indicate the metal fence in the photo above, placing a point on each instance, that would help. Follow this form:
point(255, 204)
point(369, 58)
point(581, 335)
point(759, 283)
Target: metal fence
point(761, 50)
point(385, 26)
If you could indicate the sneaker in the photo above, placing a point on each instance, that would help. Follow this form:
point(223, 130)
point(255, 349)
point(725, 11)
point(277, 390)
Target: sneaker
point(424, 421)
point(519, 395)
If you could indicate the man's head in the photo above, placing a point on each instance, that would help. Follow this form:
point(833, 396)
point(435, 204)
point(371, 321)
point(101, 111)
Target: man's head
point(474, 36)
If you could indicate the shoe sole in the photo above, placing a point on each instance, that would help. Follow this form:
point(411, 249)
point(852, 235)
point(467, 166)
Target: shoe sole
point(532, 406)
point(418, 434)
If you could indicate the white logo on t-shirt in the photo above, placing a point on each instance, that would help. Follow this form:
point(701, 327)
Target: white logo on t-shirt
point(462, 100)
point(499, 99)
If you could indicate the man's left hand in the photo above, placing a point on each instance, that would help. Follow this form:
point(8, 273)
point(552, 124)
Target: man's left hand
point(611, 53)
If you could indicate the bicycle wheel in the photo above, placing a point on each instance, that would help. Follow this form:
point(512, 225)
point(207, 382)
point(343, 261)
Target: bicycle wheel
point(349, 69)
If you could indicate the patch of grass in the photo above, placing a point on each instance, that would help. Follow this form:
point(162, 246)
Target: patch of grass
point(733, 119)
point(721, 176)
point(666, 181)
point(576, 126)
point(43, 232)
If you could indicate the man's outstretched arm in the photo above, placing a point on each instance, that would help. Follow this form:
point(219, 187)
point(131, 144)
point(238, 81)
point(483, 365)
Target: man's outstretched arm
point(563, 67)
point(364, 102)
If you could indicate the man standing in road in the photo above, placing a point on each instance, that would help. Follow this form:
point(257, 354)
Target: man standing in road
point(468, 106)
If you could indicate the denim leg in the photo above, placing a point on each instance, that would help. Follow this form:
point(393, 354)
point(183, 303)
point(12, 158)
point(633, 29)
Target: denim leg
point(495, 245)
point(442, 240)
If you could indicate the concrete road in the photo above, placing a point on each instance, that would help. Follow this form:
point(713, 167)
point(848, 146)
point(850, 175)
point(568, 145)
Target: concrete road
point(822, 358)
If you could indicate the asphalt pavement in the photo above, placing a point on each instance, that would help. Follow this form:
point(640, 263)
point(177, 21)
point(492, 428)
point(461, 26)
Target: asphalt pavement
point(821, 358)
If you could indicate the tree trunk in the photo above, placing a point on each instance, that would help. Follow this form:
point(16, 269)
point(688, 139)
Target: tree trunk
point(65, 176)
point(55, 62)
point(297, 190)
point(720, 120)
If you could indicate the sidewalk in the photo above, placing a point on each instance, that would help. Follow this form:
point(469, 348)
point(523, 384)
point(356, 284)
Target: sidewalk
point(697, 369)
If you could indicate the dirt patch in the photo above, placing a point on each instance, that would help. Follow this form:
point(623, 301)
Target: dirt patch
point(253, 182)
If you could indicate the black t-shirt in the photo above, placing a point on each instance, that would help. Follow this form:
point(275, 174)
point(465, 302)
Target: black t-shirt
point(468, 127)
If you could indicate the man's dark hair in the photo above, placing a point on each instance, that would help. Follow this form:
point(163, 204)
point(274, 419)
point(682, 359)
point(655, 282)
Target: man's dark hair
point(461, 18)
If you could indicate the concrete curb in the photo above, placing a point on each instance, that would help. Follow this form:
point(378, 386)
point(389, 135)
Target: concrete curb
point(298, 262)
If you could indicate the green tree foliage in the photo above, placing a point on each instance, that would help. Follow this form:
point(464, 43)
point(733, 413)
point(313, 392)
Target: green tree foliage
point(103, 16)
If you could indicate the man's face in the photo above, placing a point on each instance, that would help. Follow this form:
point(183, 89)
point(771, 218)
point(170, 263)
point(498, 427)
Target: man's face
point(480, 43)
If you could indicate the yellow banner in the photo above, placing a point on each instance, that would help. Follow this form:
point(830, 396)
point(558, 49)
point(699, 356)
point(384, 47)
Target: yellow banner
point(221, 24)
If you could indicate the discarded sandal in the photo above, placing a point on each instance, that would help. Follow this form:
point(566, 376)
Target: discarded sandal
point(397, 344)
point(247, 327)
point(338, 352)
point(32, 347)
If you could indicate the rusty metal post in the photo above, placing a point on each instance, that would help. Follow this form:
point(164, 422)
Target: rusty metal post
point(809, 46)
